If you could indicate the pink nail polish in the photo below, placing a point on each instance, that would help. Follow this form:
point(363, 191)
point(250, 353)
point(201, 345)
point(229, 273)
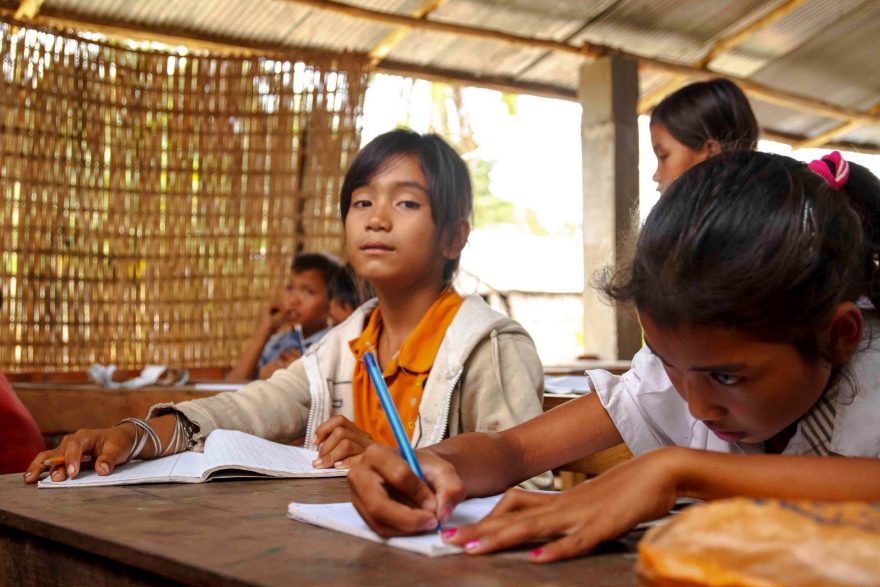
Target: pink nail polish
point(447, 533)
point(536, 552)
point(471, 545)
point(71, 469)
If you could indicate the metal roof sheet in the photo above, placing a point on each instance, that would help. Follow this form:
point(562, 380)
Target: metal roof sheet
point(826, 49)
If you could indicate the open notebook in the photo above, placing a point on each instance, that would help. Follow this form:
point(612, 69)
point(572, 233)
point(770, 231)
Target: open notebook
point(342, 517)
point(228, 453)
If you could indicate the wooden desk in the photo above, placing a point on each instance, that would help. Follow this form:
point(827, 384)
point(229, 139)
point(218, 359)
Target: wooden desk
point(61, 408)
point(236, 533)
point(578, 367)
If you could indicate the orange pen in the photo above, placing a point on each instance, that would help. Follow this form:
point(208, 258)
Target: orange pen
point(56, 461)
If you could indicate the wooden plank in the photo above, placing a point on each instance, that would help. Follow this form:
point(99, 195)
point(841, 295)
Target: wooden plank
point(65, 408)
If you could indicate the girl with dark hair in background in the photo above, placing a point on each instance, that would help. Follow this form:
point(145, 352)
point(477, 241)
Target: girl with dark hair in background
point(699, 121)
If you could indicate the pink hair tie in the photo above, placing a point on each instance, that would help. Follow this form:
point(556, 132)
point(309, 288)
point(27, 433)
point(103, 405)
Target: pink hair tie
point(821, 167)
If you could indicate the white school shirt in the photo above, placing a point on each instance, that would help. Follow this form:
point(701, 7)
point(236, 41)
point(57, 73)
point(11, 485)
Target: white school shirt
point(649, 413)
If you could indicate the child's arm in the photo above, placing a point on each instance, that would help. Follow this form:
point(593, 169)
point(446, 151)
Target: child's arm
point(646, 487)
point(246, 365)
point(276, 409)
point(474, 464)
point(282, 362)
point(109, 446)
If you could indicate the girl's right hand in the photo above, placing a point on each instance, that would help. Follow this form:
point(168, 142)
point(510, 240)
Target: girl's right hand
point(381, 472)
point(108, 447)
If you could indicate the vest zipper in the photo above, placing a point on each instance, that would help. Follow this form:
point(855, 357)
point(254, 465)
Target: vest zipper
point(440, 431)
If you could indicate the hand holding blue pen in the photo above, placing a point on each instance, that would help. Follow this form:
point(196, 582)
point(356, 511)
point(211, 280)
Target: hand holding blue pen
point(400, 436)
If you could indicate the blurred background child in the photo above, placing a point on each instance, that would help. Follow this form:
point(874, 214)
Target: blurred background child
point(304, 304)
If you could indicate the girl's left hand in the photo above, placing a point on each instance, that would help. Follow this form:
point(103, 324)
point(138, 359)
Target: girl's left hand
point(340, 441)
point(639, 490)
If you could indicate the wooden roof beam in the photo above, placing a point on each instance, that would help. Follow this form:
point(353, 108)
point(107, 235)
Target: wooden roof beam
point(824, 138)
point(384, 47)
point(794, 140)
point(728, 42)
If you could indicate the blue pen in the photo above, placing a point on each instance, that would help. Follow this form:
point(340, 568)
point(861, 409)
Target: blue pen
point(400, 436)
point(299, 340)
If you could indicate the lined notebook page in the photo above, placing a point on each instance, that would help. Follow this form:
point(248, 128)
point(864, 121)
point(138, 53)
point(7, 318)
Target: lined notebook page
point(234, 449)
point(342, 517)
point(185, 466)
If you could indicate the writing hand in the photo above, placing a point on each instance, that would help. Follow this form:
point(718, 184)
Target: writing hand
point(393, 501)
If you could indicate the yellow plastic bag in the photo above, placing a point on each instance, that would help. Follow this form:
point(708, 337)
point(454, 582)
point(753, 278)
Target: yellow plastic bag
point(765, 543)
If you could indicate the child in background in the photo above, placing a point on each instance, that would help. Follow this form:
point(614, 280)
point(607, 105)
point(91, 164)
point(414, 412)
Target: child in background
point(698, 121)
point(345, 294)
point(745, 279)
point(305, 304)
point(452, 364)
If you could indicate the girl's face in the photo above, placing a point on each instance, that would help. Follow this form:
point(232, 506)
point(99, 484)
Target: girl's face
point(742, 389)
point(673, 157)
point(391, 238)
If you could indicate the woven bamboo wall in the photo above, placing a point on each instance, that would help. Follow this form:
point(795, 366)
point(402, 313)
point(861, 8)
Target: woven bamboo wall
point(149, 202)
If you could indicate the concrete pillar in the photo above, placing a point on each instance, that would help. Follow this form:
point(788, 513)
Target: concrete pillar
point(608, 92)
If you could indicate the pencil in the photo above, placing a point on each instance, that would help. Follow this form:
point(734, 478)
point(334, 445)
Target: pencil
point(55, 461)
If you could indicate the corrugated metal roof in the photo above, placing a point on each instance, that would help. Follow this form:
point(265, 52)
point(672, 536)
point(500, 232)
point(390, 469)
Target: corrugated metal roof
point(824, 48)
point(678, 30)
point(785, 35)
point(839, 64)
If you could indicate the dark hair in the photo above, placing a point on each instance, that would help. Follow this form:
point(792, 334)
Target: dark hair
point(449, 183)
point(750, 241)
point(712, 110)
point(346, 289)
point(328, 265)
point(862, 190)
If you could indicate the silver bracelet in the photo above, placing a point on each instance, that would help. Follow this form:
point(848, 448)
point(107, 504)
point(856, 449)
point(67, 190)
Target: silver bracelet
point(180, 437)
point(142, 433)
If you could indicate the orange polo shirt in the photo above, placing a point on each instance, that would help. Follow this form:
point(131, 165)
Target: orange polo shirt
point(405, 374)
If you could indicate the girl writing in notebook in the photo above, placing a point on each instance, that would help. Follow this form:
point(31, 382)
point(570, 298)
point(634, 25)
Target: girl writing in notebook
point(452, 364)
point(751, 279)
point(698, 121)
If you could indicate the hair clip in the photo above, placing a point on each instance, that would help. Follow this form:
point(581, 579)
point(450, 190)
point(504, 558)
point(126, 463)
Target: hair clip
point(823, 168)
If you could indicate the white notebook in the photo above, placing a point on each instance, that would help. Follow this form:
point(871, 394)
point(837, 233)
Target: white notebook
point(342, 517)
point(228, 453)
